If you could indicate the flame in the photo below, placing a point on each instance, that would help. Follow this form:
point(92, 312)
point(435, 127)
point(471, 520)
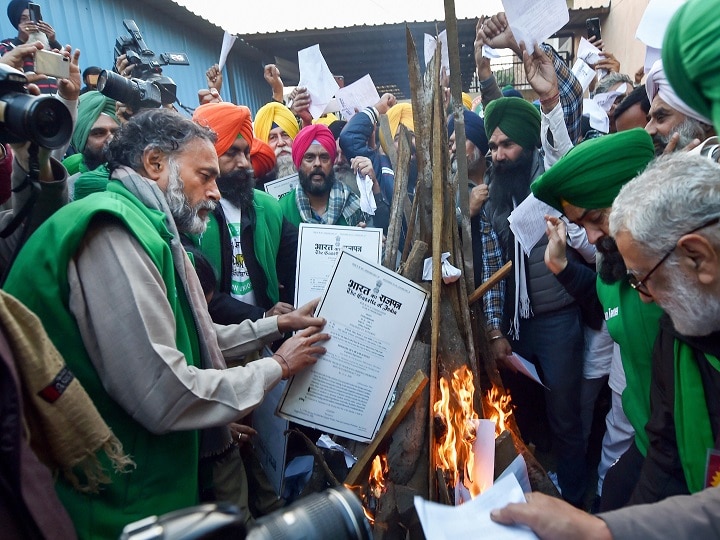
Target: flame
point(502, 409)
point(376, 486)
point(454, 450)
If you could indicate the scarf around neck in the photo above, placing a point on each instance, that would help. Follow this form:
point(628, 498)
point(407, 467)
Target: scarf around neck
point(342, 203)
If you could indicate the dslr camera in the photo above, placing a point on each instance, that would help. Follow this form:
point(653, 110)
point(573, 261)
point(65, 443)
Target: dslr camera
point(149, 88)
point(43, 120)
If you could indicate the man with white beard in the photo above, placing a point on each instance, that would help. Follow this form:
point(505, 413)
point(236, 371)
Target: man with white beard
point(276, 125)
point(120, 300)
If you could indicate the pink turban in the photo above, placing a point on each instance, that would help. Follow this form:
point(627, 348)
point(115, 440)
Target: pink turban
point(262, 158)
point(317, 132)
point(228, 121)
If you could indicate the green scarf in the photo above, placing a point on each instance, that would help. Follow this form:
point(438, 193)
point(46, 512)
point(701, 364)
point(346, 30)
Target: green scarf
point(692, 421)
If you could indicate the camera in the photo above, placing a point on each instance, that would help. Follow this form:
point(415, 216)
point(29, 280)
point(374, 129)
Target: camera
point(334, 514)
point(43, 120)
point(149, 88)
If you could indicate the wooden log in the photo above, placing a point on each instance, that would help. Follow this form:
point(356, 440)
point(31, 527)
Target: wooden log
point(482, 289)
point(412, 391)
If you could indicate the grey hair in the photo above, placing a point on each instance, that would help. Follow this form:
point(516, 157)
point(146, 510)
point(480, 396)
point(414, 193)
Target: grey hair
point(674, 195)
point(161, 129)
point(610, 80)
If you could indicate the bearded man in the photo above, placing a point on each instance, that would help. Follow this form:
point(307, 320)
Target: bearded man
point(320, 198)
point(250, 245)
point(120, 300)
point(276, 125)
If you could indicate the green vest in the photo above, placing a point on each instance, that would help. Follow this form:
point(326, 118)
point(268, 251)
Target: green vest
point(166, 477)
point(267, 231)
point(292, 213)
point(633, 325)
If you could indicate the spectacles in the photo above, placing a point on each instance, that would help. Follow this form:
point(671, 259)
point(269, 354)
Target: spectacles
point(639, 284)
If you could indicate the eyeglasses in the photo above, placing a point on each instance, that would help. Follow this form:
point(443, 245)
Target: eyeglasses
point(639, 284)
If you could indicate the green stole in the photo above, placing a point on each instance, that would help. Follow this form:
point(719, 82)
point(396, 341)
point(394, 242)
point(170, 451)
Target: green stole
point(692, 421)
point(166, 477)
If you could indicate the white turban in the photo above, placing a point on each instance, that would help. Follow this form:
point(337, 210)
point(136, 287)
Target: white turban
point(657, 84)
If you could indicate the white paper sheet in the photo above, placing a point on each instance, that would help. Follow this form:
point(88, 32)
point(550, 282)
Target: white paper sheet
point(527, 221)
point(430, 45)
point(326, 442)
point(525, 367)
point(373, 315)
point(518, 468)
point(533, 22)
point(606, 99)
point(584, 73)
point(282, 186)
point(319, 247)
point(367, 199)
point(591, 55)
point(652, 55)
point(227, 43)
point(655, 20)
point(356, 96)
point(484, 453)
point(317, 78)
point(472, 519)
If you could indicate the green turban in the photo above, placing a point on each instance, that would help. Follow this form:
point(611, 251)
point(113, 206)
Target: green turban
point(92, 104)
point(690, 56)
point(516, 118)
point(590, 175)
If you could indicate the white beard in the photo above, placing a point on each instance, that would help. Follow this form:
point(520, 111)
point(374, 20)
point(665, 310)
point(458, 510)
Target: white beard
point(285, 165)
point(185, 216)
point(693, 313)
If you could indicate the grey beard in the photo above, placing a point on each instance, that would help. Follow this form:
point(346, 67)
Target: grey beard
point(693, 313)
point(285, 165)
point(688, 130)
point(185, 216)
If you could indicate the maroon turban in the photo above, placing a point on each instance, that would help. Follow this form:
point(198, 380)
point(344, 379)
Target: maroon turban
point(228, 121)
point(317, 132)
point(262, 158)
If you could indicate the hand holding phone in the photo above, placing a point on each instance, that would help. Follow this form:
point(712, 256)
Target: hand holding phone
point(593, 28)
point(34, 12)
point(52, 64)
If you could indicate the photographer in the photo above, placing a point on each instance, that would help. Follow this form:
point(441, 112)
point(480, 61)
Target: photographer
point(19, 16)
point(32, 202)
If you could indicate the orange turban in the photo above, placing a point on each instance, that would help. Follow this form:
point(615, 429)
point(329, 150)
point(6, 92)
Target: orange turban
point(262, 158)
point(400, 114)
point(228, 121)
point(275, 113)
point(317, 132)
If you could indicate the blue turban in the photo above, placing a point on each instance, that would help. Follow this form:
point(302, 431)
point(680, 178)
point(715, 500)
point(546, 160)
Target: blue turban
point(474, 130)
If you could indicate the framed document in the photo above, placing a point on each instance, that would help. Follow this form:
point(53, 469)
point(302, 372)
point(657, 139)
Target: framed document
point(282, 186)
point(373, 315)
point(319, 247)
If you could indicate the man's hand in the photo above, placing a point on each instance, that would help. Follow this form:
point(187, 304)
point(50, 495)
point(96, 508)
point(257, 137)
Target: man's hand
point(214, 77)
point(495, 32)
point(500, 349)
point(301, 350)
point(639, 74)
point(123, 66)
point(15, 57)
point(272, 77)
point(540, 73)
point(675, 140)
point(123, 112)
point(386, 101)
point(209, 95)
point(482, 64)
point(608, 62)
point(478, 195)
point(70, 88)
point(46, 29)
point(556, 250)
point(363, 166)
point(241, 433)
point(301, 105)
point(20, 150)
point(300, 318)
point(279, 309)
point(552, 519)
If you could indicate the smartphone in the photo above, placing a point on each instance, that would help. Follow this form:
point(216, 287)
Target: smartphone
point(593, 28)
point(52, 64)
point(34, 12)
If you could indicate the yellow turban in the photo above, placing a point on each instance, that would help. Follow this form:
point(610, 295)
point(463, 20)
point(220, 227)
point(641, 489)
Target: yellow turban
point(467, 101)
point(274, 113)
point(400, 114)
point(326, 119)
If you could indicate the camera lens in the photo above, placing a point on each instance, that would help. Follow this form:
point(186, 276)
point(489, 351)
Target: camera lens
point(334, 514)
point(41, 119)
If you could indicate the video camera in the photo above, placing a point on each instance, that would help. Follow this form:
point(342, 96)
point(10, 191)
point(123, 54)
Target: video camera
point(149, 88)
point(43, 120)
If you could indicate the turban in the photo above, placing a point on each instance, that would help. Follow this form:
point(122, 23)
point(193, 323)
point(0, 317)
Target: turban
point(317, 132)
point(516, 118)
point(658, 85)
point(275, 113)
point(690, 56)
point(92, 105)
point(474, 130)
point(326, 119)
point(228, 121)
point(467, 101)
point(400, 114)
point(336, 127)
point(15, 10)
point(590, 175)
point(262, 158)
point(510, 91)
